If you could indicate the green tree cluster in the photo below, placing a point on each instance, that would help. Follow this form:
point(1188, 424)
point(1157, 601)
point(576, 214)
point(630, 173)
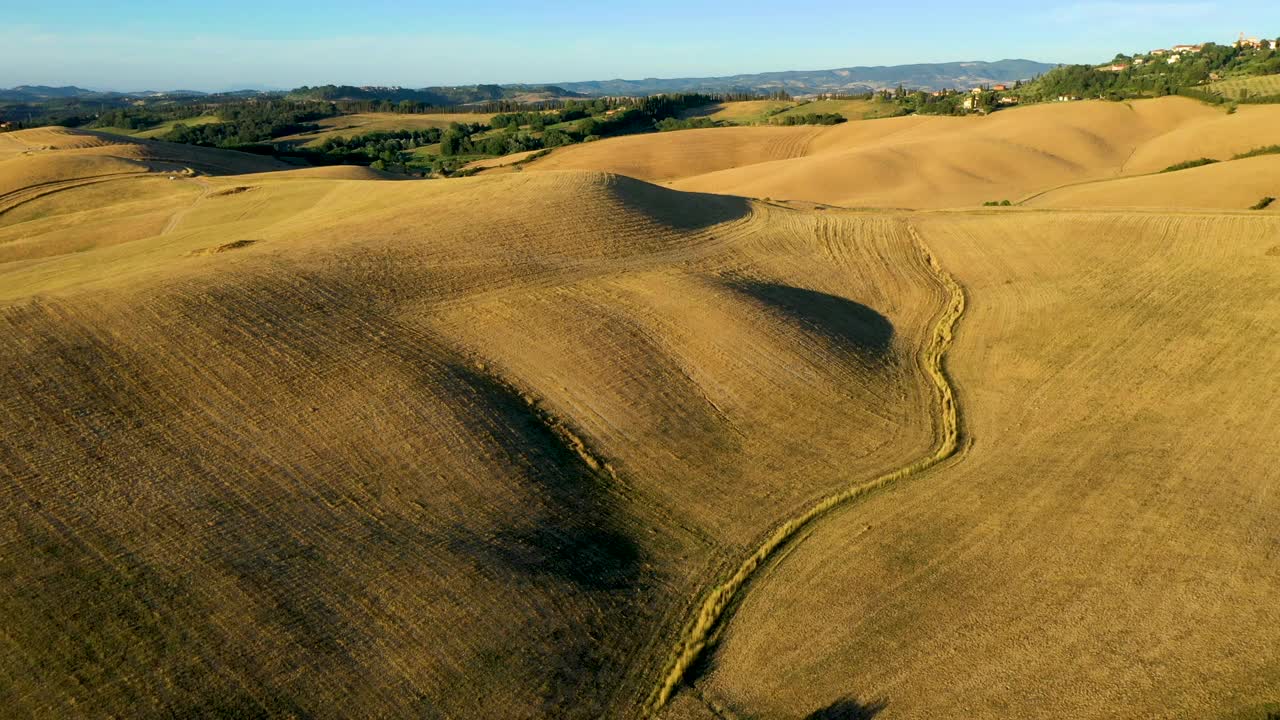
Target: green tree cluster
point(248, 123)
point(810, 119)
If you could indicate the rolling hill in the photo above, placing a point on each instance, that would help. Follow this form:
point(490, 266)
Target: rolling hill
point(1104, 546)
point(656, 426)
point(939, 162)
point(388, 467)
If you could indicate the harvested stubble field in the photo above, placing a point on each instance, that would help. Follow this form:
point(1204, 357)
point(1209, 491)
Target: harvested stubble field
point(1106, 546)
point(478, 465)
point(741, 112)
point(936, 162)
point(849, 109)
point(756, 112)
point(312, 443)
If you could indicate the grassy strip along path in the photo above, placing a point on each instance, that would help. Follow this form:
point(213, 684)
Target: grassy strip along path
point(699, 633)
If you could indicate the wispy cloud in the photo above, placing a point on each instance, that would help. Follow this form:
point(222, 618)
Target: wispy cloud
point(1140, 13)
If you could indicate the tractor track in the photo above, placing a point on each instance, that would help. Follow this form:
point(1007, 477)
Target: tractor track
point(712, 611)
point(21, 196)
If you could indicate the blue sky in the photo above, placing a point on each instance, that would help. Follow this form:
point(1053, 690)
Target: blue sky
point(232, 43)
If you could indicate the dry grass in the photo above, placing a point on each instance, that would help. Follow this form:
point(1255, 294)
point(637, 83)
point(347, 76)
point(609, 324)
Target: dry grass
point(742, 112)
point(850, 109)
point(367, 464)
point(519, 158)
point(707, 621)
point(31, 157)
point(1106, 546)
point(1217, 135)
point(663, 157)
point(315, 443)
point(758, 112)
point(1233, 185)
point(933, 162)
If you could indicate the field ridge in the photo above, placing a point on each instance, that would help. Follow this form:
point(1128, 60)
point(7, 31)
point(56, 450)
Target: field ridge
point(699, 633)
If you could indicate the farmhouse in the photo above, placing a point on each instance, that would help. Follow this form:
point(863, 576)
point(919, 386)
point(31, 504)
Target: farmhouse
point(1000, 88)
point(1187, 48)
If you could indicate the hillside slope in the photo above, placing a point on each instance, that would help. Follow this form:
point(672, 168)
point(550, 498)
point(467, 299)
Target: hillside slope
point(932, 162)
point(1228, 185)
point(1106, 546)
point(25, 153)
point(327, 447)
point(316, 443)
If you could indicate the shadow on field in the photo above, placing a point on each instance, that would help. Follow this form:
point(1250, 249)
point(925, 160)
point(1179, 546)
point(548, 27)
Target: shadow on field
point(848, 709)
point(570, 533)
point(558, 532)
point(285, 545)
point(676, 209)
point(576, 536)
point(845, 324)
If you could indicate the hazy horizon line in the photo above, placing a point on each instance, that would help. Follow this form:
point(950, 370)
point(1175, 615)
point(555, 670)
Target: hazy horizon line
point(265, 88)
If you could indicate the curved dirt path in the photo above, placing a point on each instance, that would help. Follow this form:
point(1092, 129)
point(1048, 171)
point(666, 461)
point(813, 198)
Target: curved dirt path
point(711, 612)
point(23, 195)
point(177, 217)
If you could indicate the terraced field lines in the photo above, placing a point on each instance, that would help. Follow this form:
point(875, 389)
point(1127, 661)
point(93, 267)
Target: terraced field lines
point(1256, 86)
point(711, 612)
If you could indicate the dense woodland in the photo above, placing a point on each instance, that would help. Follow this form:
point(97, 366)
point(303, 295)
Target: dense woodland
point(246, 123)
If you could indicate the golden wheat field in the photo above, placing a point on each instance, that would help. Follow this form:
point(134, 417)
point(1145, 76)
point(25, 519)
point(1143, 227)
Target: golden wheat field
point(754, 422)
point(741, 112)
point(849, 109)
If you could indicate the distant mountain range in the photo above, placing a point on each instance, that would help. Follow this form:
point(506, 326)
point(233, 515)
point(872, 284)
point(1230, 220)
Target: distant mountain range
point(42, 93)
point(439, 95)
point(925, 76)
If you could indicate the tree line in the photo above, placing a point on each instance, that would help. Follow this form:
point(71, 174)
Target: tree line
point(248, 123)
point(810, 119)
point(1156, 77)
point(513, 132)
